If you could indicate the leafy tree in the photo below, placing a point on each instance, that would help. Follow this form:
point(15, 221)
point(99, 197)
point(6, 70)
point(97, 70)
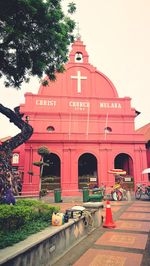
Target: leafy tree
point(34, 39)
point(6, 148)
point(42, 151)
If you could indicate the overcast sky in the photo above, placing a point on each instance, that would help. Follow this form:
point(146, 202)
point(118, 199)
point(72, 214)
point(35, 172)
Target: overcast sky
point(117, 38)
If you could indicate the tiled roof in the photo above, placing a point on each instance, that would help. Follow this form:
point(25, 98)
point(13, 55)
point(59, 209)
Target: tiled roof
point(145, 130)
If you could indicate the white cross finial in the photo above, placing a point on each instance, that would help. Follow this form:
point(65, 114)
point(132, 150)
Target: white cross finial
point(79, 78)
point(78, 36)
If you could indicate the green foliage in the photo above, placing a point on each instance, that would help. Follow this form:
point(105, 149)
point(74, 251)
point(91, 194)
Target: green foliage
point(38, 163)
point(47, 179)
point(43, 192)
point(71, 7)
point(30, 173)
point(13, 217)
point(26, 217)
point(28, 202)
point(9, 238)
point(45, 82)
point(39, 206)
point(43, 151)
point(35, 36)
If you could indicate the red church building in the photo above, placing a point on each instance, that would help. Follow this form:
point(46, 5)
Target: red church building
point(87, 128)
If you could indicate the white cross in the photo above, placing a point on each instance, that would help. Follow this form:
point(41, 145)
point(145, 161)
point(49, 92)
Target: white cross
point(79, 78)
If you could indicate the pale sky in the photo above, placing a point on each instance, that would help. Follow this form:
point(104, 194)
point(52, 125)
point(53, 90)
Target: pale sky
point(117, 38)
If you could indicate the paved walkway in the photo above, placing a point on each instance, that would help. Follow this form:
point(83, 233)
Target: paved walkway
point(126, 245)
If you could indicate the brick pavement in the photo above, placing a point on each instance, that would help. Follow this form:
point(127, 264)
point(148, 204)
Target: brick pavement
point(126, 245)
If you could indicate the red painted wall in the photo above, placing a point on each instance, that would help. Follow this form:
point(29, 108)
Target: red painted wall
point(79, 105)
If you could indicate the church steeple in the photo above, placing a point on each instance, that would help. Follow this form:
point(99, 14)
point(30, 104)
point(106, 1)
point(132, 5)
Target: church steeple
point(78, 53)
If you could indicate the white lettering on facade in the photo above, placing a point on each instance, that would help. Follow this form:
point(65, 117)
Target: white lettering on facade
point(110, 105)
point(79, 105)
point(43, 102)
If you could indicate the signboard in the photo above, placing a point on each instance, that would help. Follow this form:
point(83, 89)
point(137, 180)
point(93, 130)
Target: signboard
point(93, 179)
point(127, 179)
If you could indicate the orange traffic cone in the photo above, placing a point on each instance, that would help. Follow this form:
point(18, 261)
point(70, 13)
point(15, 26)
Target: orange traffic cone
point(108, 220)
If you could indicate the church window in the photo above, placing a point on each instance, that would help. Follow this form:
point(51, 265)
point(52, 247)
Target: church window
point(50, 128)
point(15, 158)
point(108, 129)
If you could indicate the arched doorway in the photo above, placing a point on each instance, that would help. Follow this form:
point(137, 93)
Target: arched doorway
point(125, 162)
point(87, 170)
point(51, 172)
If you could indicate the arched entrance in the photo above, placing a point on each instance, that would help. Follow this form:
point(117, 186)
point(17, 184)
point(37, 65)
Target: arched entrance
point(51, 172)
point(125, 162)
point(87, 170)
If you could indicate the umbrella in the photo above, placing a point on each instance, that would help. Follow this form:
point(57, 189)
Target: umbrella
point(117, 172)
point(146, 171)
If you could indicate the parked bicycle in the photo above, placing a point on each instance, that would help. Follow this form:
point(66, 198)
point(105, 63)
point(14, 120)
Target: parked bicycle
point(142, 190)
point(116, 193)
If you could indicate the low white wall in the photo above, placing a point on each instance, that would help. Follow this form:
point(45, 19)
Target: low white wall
point(47, 246)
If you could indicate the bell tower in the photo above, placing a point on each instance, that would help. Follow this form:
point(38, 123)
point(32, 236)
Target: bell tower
point(78, 52)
